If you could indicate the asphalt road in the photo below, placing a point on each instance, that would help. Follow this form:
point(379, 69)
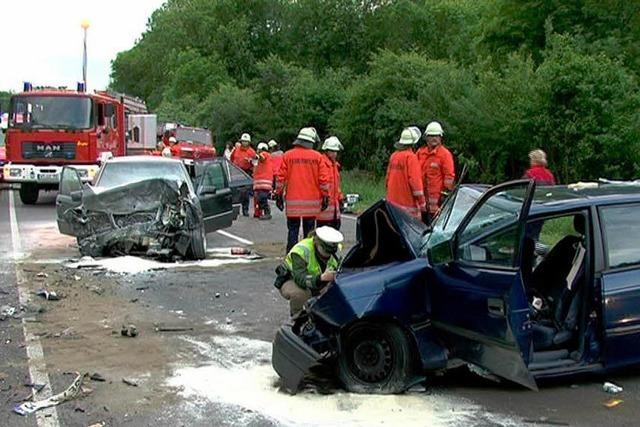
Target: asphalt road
point(214, 370)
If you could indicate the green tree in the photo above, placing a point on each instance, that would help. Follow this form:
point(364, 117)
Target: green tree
point(399, 91)
point(589, 120)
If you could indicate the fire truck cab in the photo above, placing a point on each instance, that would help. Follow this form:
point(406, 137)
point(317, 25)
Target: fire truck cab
point(50, 128)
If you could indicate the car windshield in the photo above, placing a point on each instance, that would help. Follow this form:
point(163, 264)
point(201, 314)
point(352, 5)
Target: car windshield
point(121, 173)
point(194, 136)
point(51, 112)
point(453, 212)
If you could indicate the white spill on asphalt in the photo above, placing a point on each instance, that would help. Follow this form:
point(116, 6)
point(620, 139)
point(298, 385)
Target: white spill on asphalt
point(239, 378)
point(134, 265)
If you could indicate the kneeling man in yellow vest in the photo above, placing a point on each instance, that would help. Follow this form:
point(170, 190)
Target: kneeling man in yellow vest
point(309, 267)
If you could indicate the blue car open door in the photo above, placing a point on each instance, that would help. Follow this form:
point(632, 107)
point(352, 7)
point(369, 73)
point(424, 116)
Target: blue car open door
point(478, 302)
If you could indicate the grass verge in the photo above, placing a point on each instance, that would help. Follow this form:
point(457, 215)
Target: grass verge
point(368, 186)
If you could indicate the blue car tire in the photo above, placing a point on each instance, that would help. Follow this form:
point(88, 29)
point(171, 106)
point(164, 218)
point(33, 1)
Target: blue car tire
point(375, 358)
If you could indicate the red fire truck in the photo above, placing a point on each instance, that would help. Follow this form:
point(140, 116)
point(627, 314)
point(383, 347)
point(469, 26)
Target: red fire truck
point(53, 127)
point(192, 143)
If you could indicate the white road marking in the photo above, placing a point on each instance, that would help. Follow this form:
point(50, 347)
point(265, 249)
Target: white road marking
point(234, 237)
point(37, 367)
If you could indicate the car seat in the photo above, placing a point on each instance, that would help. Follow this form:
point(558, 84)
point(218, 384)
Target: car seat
point(559, 277)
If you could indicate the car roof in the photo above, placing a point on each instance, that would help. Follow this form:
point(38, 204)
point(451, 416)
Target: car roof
point(561, 197)
point(147, 159)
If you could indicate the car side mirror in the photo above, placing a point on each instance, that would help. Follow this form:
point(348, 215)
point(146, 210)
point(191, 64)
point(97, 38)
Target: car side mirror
point(206, 190)
point(441, 253)
point(76, 196)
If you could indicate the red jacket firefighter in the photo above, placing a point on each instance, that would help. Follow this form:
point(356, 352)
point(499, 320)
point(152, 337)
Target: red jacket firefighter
point(331, 147)
point(263, 172)
point(276, 156)
point(404, 178)
point(304, 181)
point(436, 163)
point(242, 156)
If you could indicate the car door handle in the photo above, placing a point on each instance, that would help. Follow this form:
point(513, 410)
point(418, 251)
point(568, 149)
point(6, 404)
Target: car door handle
point(495, 306)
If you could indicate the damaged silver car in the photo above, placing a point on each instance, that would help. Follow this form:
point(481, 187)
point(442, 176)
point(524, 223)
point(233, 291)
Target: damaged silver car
point(144, 205)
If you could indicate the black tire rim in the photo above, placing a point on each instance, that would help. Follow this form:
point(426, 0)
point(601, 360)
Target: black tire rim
point(371, 357)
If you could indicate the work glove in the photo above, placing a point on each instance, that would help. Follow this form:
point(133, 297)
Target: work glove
point(279, 202)
point(325, 203)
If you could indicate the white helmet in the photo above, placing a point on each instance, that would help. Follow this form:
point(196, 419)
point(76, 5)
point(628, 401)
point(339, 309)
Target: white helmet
point(263, 146)
point(434, 129)
point(166, 152)
point(272, 143)
point(332, 144)
point(245, 137)
point(173, 140)
point(307, 137)
point(408, 137)
point(329, 238)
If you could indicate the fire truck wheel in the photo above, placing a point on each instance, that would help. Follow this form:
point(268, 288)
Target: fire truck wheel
point(29, 193)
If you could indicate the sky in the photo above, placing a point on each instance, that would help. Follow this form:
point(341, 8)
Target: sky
point(42, 39)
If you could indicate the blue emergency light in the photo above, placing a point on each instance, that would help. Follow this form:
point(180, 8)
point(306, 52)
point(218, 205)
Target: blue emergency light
point(81, 87)
point(27, 87)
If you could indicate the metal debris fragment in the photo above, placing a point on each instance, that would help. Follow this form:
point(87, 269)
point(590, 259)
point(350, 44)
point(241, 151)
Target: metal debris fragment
point(611, 388)
point(609, 404)
point(48, 295)
point(129, 331)
point(71, 392)
point(130, 382)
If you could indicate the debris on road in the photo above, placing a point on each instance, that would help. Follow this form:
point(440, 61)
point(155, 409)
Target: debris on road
point(142, 288)
point(240, 251)
point(71, 392)
point(6, 311)
point(130, 382)
point(37, 387)
point(96, 289)
point(611, 388)
point(42, 275)
point(217, 294)
point(48, 295)
point(546, 421)
point(173, 328)
point(97, 377)
point(129, 331)
point(609, 404)
point(100, 424)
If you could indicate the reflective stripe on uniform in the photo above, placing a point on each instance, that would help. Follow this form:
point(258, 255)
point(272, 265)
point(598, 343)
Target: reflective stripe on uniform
point(262, 184)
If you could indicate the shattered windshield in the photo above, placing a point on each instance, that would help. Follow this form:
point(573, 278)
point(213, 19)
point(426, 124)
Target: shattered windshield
point(121, 173)
point(51, 112)
point(451, 215)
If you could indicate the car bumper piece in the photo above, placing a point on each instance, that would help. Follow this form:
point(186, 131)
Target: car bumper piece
point(292, 358)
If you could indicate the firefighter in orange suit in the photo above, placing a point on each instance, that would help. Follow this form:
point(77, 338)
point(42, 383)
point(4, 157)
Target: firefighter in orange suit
point(242, 157)
point(436, 162)
point(404, 177)
point(303, 183)
point(331, 216)
point(263, 181)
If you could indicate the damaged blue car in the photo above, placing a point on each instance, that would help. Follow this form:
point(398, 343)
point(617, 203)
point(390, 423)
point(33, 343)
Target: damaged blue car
point(515, 282)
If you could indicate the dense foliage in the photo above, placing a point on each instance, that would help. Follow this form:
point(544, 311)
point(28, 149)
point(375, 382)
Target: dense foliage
point(4, 101)
point(503, 76)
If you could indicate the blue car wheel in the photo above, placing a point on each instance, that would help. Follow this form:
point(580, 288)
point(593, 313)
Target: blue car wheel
point(375, 358)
